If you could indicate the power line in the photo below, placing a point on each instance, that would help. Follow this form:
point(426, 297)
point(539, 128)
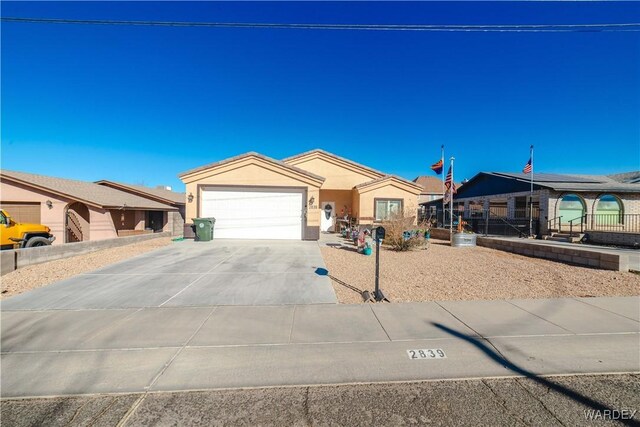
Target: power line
point(619, 27)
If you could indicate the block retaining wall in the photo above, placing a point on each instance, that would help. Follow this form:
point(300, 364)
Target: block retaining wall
point(613, 238)
point(18, 258)
point(580, 257)
point(567, 255)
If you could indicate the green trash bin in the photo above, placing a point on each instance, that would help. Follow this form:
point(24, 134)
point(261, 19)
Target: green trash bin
point(204, 228)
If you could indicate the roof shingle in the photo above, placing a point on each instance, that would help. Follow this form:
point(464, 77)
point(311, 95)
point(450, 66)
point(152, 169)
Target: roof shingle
point(429, 184)
point(160, 193)
point(562, 182)
point(93, 194)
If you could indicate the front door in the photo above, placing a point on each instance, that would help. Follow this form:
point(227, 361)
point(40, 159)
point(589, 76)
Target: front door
point(328, 216)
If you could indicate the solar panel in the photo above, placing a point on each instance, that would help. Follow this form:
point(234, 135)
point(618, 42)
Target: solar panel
point(551, 177)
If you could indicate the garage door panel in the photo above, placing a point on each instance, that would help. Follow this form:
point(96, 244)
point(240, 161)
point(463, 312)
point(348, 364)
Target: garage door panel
point(246, 214)
point(23, 211)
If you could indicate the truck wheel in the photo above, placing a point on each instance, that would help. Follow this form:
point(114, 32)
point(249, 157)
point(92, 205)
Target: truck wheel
point(37, 241)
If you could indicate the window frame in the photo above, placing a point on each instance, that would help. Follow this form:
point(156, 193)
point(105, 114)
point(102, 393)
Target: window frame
point(384, 199)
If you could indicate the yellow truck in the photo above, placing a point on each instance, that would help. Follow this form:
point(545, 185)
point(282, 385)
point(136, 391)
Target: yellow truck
point(14, 235)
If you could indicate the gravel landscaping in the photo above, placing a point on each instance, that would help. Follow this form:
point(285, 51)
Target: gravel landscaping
point(442, 273)
point(36, 276)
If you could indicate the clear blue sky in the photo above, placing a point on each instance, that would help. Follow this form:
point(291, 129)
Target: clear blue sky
point(141, 104)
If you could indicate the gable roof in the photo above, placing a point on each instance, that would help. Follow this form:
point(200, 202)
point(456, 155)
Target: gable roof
point(160, 194)
point(335, 157)
point(429, 184)
point(87, 192)
point(256, 155)
point(389, 178)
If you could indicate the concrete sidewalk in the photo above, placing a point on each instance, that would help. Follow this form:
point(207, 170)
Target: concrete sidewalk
point(64, 352)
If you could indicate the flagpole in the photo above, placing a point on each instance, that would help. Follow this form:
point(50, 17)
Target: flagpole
point(442, 173)
point(531, 197)
point(451, 201)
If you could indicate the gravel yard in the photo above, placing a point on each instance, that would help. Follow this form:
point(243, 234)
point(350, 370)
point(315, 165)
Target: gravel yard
point(442, 273)
point(36, 276)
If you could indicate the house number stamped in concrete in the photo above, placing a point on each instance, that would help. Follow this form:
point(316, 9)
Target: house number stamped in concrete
point(426, 353)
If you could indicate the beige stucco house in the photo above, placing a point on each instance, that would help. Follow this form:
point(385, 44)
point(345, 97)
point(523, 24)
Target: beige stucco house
point(78, 210)
point(254, 196)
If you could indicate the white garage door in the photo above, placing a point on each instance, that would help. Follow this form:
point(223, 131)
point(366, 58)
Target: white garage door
point(254, 214)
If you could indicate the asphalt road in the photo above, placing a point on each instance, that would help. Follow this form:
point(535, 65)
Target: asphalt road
point(550, 401)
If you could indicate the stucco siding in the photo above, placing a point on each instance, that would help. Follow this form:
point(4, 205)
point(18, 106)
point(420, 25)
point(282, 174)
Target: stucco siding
point(337, 177)
point(355, 204)
point(102, 226)
point(388, 191)
point(342, 198)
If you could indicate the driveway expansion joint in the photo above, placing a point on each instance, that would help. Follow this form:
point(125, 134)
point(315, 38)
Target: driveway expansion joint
point(604, 309)
point(202, 275)
point(166, 366)
point(379, 322)
point(541, 318)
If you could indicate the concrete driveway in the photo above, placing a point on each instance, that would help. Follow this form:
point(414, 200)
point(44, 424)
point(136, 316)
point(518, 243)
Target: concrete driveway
point(188, 274)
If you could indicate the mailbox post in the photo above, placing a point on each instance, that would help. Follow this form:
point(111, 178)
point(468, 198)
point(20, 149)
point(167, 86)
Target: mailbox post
point(379, 236)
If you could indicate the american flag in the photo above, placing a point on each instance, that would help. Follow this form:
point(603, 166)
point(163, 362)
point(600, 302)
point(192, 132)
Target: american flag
point(449, 184)
point(437, 167)
point(527, 168)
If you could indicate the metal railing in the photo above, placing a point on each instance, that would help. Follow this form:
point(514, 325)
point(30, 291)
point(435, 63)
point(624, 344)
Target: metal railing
point(471, 213)
point(581, 220)
point(504, 212)
point(514, 226)
point(629, 223)
point(487, 222)
point(555, 223)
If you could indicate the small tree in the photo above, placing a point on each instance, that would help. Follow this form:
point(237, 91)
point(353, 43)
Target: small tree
point(402, 234)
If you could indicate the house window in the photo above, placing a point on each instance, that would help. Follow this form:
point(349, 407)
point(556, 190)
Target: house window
point(608, 211)
point(386, 208)
point(571, 207)
point(476, 209)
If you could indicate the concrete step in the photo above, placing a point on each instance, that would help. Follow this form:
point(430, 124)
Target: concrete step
point(564, 237)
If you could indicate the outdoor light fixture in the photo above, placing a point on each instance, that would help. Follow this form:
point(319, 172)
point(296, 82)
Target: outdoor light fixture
point(312, 200)
point(49, 204)
point(190, 197)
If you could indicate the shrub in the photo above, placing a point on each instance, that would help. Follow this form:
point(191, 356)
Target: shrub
point(402, 234)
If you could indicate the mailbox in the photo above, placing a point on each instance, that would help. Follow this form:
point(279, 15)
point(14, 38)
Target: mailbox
point(380, 233)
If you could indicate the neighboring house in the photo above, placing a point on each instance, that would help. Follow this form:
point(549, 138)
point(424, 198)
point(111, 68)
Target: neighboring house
point(155, 219)
point(610, 203)
point(77, 210)
point(431, 188)
point(254, 196)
